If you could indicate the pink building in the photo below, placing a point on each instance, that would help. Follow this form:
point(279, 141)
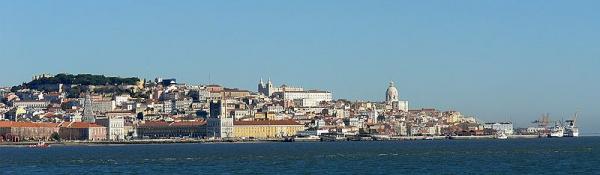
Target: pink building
point(82, 131)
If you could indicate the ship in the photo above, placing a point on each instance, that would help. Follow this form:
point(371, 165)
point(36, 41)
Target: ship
point(557, 131)
point(571, 129)
point(501, 136)
point(310, 138)
point(40, 144)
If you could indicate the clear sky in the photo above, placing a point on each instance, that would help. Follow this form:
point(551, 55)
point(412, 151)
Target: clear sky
point(498, 60)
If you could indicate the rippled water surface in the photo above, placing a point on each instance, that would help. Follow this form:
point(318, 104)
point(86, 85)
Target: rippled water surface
point(521, 156)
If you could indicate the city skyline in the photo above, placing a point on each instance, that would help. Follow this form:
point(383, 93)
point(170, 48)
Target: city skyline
point(487, 59)
point(383, 99)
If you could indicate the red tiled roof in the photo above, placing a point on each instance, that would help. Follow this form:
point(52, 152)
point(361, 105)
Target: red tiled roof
point(79, 125)
point(27, 124)
point(267, 122)
point(188, 123)
point(154, 124)
point(165, 124)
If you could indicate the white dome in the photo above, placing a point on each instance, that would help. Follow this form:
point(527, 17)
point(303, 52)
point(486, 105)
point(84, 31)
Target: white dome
point(392, 93)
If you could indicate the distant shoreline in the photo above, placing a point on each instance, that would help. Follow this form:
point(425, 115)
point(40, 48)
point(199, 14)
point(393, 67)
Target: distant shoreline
point(203, 141)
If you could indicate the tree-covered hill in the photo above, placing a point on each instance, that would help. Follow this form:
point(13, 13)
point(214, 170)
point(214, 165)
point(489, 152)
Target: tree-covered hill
point(81, 79)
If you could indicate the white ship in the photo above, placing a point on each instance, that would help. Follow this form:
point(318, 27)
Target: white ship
point(501, 136)
point(571, 129)
point(557, 131)
point(310, 138)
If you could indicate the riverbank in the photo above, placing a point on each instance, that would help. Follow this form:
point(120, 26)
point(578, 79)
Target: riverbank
point(208, 141)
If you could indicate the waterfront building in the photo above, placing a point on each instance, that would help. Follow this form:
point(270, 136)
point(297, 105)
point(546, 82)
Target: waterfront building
point(22, 131)
point(115, 127)
point(162, 129)
point(506, 127)
point(219, 124)
point(266, 128)
point(82, 131)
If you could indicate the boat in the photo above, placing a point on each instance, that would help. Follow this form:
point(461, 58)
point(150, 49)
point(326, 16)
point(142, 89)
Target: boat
point(557, 131)
point(310, 138)
point(380, 137)
point(429, 138)
point(571, 132)
point(40, 144)
point(332, 137)
point(571, 129)
point(501, 136)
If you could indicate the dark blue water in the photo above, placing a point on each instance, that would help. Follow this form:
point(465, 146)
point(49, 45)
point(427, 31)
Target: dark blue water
point(524, 156)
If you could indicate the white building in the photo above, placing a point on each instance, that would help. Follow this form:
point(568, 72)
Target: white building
point(102, 106)
point(35, 104)
point(219, 124)
point(121, 99)
point(219, 127)
point(238, 114)
point(268, 89)
point(392, 99)
point(311, 98)
point(506, 127)
point(115, 127)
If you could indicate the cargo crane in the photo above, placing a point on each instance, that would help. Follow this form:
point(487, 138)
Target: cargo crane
point(543, 123)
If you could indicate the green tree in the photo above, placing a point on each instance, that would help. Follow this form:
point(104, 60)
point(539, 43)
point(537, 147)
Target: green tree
point(55, 136)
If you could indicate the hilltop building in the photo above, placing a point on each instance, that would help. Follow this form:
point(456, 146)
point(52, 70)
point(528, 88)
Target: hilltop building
point(268, 89)
point(392, 99)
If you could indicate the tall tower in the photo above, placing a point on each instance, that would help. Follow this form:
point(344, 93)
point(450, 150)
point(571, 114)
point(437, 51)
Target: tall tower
point(261, 87)
point(270, 88)
point(88, 113)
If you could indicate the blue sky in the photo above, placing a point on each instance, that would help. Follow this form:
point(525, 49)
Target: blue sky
point(498, 60)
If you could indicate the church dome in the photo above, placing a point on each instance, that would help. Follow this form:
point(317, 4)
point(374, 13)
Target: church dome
point(392, 93)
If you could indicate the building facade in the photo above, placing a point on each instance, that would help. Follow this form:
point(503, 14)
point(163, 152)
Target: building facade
point(268, 89)
point(27, 131)
point(115, 127)
point(82, 131)
point(266, 128)
point(161, 129)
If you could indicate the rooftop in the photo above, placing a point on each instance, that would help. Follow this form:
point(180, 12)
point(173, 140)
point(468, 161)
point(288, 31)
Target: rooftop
point(27, 124)
point(267, 122)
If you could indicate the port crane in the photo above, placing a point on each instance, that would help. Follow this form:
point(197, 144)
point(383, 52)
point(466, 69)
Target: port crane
point(543, 123)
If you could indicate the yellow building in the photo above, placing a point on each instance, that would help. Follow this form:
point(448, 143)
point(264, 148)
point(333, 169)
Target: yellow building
point(266, 128)
point(264, 116)
point(453, 117)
